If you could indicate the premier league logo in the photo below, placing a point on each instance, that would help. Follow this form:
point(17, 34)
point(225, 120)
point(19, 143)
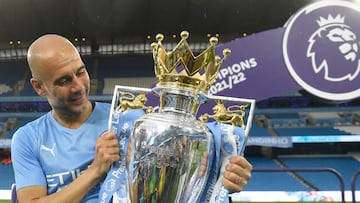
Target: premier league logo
point(321, 49)
point(342, 43)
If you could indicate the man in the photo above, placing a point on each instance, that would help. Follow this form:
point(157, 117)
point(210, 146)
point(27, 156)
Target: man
point(64, 155)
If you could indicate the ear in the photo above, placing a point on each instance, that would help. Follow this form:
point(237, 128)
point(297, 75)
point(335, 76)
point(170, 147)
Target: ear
point(38, 86)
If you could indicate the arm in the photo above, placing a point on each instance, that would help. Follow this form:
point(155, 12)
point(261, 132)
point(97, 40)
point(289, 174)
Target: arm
point(107, 152)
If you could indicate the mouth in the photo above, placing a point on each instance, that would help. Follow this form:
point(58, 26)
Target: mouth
point(78, 100)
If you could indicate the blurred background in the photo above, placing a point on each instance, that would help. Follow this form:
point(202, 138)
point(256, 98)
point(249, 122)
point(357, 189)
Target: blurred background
point(114, 37)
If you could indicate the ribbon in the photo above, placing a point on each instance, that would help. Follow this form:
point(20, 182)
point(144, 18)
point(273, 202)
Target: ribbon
point(229, 141)
point(115, 181)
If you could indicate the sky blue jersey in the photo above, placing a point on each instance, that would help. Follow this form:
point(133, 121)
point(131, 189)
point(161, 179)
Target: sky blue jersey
point(45, 153)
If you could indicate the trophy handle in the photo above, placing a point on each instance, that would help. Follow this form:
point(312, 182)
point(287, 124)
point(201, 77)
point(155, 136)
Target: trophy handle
point(234, 114)
point(132, 101)
point(226, 115)
point(127, 97)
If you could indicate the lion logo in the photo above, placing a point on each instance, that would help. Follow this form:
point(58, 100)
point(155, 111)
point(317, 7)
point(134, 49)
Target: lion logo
point(130, 101)
point(334, 38)
point(233, 114)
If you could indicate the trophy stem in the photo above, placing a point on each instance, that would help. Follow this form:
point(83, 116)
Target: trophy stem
point(179, 101)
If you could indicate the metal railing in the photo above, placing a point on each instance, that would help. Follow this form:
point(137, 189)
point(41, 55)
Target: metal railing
point(331, 170)
point(353, 185)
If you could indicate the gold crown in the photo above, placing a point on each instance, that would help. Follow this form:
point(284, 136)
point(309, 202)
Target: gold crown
point(181, 69)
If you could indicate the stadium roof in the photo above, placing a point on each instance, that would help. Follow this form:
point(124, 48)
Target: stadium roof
point(131, 21)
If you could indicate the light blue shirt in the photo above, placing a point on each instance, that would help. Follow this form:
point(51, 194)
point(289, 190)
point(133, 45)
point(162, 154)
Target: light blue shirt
point(44, 153)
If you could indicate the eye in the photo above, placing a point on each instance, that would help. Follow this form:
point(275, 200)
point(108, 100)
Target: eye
point(63, 81)
point(335, 35)
point(81, 72)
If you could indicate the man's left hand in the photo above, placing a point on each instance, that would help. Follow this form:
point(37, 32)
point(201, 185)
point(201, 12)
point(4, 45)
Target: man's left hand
point(237, 173)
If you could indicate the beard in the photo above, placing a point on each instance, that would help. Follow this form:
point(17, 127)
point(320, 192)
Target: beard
point(74, 105)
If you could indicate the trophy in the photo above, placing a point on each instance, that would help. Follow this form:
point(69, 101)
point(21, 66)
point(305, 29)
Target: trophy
point(170, 150)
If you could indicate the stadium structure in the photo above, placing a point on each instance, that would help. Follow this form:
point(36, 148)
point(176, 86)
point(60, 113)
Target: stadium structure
point(302, 147)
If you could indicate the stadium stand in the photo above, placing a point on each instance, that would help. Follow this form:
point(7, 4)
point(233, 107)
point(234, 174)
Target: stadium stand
point(346, 165)
point(259, 131)
point(12, 77)
point(263, 181)
point(274, 117)
point(7, 176)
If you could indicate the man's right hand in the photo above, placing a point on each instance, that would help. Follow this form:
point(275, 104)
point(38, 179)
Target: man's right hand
point(106, 153)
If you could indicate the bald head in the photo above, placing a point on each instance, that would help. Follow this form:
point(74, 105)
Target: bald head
point(48, 50)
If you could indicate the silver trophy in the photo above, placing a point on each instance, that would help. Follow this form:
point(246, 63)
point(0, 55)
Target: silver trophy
point(167, 158)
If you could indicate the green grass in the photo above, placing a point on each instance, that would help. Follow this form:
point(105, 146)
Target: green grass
point(4, 201)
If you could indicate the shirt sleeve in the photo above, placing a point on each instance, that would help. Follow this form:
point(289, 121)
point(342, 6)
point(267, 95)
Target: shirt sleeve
point(26, 164)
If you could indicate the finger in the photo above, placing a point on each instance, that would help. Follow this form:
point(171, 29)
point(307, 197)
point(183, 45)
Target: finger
point(241, 161)
point(107, 148)
point(204, 159)
point(205, 156)
point(233, 177)
point(108, 153)
point(233, 182)
point(108, 140)
point(202, 170)
point(108, 135)
point(203, 165)
point(238, 170)
point(111, 156)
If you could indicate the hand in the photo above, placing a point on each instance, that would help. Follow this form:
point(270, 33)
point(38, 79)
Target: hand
point(237, 173)
point(106, 152)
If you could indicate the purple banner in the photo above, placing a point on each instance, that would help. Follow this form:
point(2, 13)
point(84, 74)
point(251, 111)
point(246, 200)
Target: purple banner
point(317, 50)
point(255, 68)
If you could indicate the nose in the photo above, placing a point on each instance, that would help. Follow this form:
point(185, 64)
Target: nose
point(77, 85)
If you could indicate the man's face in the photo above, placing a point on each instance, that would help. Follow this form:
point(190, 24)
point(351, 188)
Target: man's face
point(66, 85)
